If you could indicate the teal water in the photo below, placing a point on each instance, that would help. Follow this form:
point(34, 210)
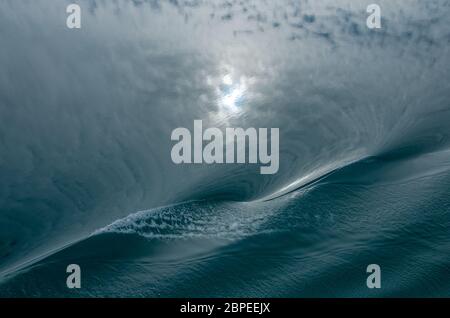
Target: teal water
point(86, 175)
point(314, 242)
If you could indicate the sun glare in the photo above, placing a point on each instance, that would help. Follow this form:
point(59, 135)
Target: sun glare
point(232, 93)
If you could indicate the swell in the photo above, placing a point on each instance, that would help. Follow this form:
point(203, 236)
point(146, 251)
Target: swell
point(364, 211)
point(85, 138)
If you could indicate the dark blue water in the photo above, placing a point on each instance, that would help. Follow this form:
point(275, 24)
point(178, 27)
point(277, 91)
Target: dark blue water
point(313, 242)
point(86, 117)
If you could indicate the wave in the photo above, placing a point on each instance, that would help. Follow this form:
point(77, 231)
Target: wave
point(300, 244)
point(85, 141)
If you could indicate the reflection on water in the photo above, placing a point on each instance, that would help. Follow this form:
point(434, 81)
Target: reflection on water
point(232, 94)
point(99, 106)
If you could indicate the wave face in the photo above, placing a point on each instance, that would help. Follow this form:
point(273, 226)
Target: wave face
point(85, 143)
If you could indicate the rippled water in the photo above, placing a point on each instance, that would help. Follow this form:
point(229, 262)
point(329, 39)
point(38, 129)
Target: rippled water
point(85, 143)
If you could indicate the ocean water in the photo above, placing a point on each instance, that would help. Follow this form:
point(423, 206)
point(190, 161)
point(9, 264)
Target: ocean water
point(85, 170)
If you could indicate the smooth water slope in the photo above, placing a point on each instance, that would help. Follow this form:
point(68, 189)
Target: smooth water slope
point(86, 119)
